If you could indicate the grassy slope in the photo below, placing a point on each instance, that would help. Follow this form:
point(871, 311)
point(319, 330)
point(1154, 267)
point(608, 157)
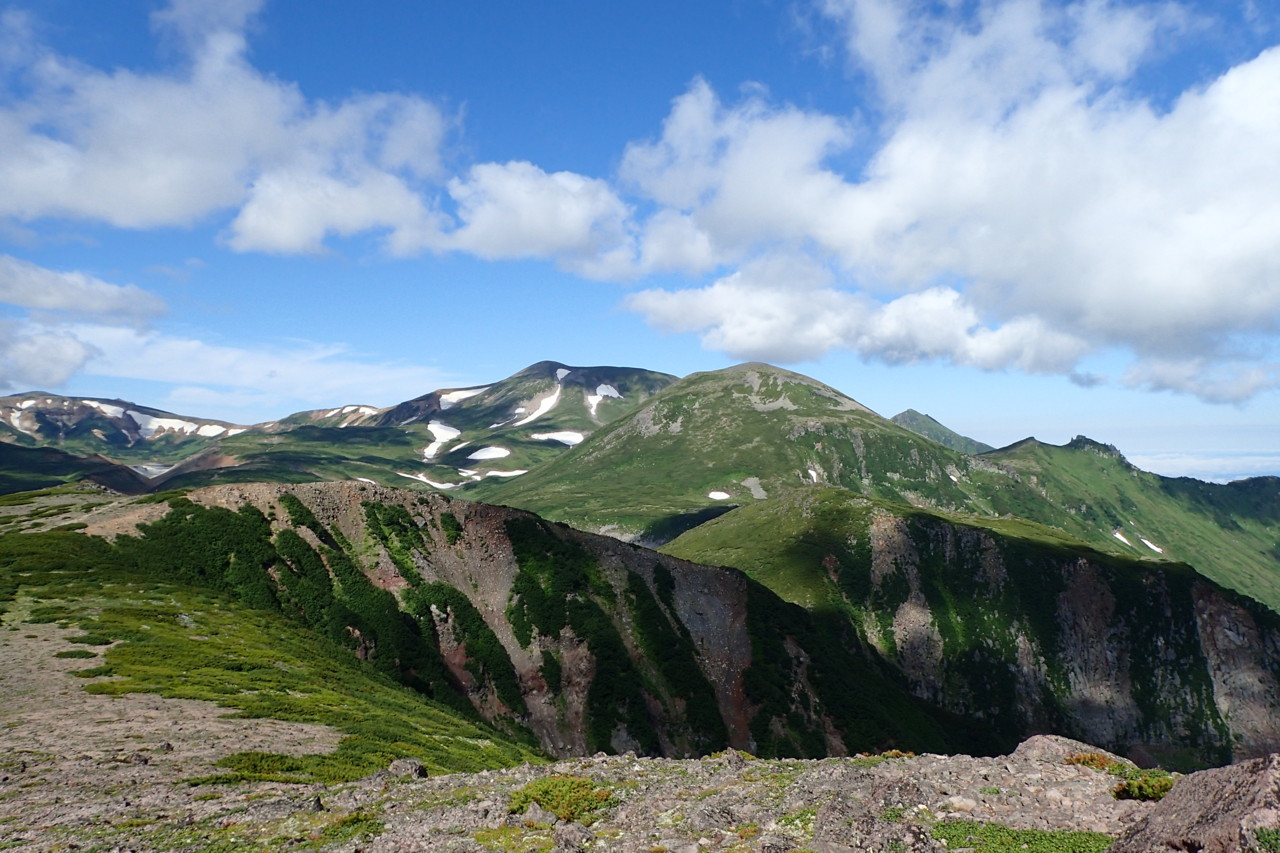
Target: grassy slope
point(26, 468)
point(812, 547)
point(922, 424)
point(649, 472)
point(711, 432)
point(313, 452)
point(184, 641)
point(1228, 532)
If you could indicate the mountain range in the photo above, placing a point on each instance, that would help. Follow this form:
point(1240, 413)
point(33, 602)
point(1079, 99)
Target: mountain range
point(829, 580)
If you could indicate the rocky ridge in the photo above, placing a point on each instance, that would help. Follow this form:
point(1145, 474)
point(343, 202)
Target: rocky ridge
point(729, 801)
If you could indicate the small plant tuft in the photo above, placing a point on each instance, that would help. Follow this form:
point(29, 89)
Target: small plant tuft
point(570, 798)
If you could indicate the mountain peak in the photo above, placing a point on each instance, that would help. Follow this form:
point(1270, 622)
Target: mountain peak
point(930, 428)
point(1082, 442)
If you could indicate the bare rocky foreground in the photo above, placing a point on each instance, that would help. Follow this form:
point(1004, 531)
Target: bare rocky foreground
point(131, 798)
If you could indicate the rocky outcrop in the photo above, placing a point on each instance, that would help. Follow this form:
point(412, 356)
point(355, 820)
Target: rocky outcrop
point(1150, 659)
point(585, 642)
point(1224, 810)
point(729, 802)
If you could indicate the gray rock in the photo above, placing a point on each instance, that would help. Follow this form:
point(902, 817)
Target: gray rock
point(571, 838)
point(1213, 811)
point(410, 767)
point(1054, 749)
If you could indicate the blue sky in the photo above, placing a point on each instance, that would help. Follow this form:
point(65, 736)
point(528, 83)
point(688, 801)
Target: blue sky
point(1023, 218)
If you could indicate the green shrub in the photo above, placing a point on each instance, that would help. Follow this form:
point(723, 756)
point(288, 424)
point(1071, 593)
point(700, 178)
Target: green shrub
point(1092, 760)
point(1268, 840)
point(1148, 788)
point(452, 527)
point(570, 798)
point(996, 838)
point(76, 653)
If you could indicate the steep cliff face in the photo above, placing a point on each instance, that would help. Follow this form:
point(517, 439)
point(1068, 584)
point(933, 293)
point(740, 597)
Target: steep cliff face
point(577, 642)
point(1032, 633)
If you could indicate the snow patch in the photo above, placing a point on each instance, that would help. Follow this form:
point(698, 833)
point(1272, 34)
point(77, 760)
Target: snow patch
point(602, 391)
point(449, 399)
point(505, 473)
point(423, 479)
point(561, 373)
point(26, 403)
point(1120, 536)
point(954, 478)
point(490, 453)
point(548, 403)
point(367, 480)
point(718, 496)
point(239, 430)
point(109, 411)
point(566, 437)
point(331, 413)
point(1152, 546)
point(813, 474)
point(210, 430)
point(14, 419)
point(150, 426)
point(442, 433)
point(152, 470)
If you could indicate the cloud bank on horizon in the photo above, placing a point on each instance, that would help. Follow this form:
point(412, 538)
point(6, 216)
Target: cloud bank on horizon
point(1008, 197)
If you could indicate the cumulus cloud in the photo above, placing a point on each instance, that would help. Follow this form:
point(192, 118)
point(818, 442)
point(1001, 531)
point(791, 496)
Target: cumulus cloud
point(785, 308)
point(516, 210)
point(35, 357)
point(27, 285)
point(39, 349)
point(139, 150)
point(1022, 204)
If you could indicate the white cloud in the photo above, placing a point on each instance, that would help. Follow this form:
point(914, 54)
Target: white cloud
point(1209, 465)
point(27, 285)
point(142, 150)
point(261, 379)
point(32, 357)
point(1215, 382)
point(785, 308)
point(1025, 207)
point(515, 210)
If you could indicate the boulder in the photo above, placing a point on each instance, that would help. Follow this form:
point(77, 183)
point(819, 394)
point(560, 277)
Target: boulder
point(1224, 810)
point(408, 767)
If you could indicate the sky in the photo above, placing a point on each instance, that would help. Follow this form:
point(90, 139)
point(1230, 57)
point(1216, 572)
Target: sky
point(1022, 218)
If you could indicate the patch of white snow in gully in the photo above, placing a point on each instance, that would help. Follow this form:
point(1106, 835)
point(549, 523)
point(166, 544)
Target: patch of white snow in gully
point(566, 437)
point(548, 403)
point(449, 399)
point(490, 453)
point(602, 391)
point(442, 433)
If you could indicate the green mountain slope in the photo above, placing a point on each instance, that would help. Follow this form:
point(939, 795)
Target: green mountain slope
point(445, 440)
point(733, 437)
point(573, 642)
point(729, 437)
point(1019, 624)
point(922, 424)
point(1231, 533)
point(148, 628)
point(26, 468)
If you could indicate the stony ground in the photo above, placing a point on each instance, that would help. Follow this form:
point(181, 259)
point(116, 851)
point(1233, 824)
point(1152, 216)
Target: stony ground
point(86, 772)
